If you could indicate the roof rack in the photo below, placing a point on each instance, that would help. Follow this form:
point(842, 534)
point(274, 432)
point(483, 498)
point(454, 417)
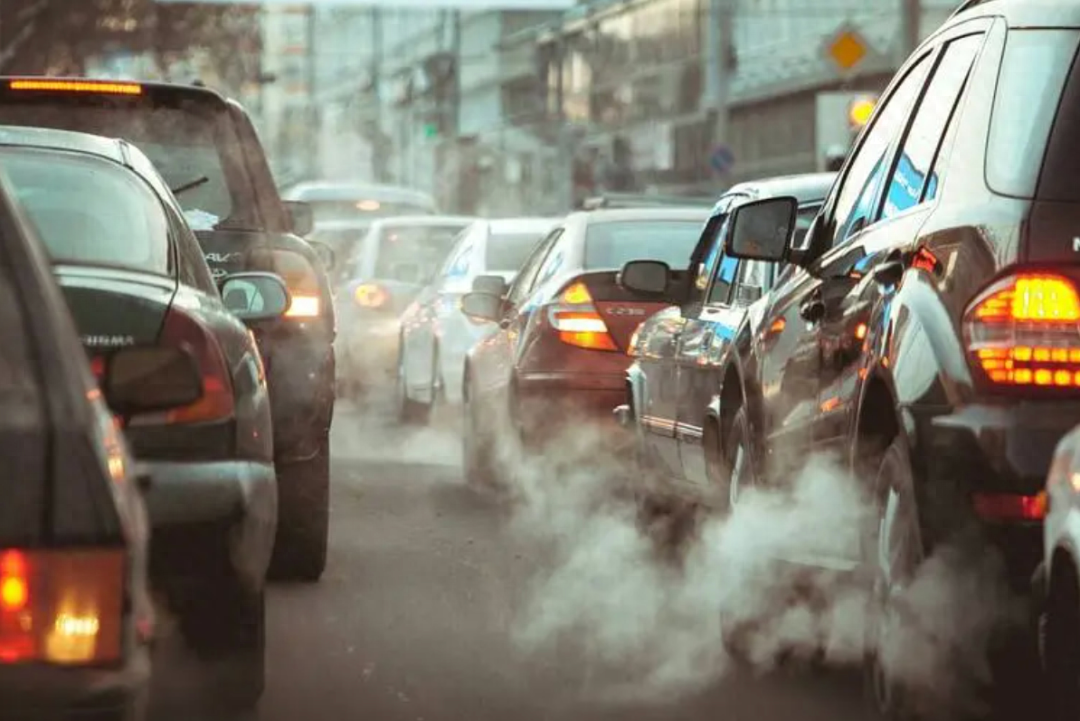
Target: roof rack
point(967, 5)
point(613, 201)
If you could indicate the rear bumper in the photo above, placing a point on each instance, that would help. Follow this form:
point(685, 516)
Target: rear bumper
point(48, 693)
point(212, 521)
point(996, 449)
point(368, 351)
point(559, 402)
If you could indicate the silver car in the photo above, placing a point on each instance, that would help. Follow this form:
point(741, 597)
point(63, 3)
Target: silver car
point(435, 334)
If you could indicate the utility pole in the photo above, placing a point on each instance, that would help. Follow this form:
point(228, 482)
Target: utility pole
point(911, 23)
point(718, 60)
point(314, 131)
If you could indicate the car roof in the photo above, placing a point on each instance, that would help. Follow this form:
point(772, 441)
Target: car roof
point(806, 187)
point(341, 190)
point(1021, 13)
point(508, 225)
point(47, 138)
point(624, 214)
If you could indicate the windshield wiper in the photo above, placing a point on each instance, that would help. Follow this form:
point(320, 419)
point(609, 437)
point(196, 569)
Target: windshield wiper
point(190, 186)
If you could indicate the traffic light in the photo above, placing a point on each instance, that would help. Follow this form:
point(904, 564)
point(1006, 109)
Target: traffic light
point(860, 110)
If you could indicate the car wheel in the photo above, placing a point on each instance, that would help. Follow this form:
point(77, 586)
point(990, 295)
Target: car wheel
point(410, 412)
point(1061, 638)
point(225, 625)
point(898, 553)
point(303, 518)
point(735, 473)
point(476, 446)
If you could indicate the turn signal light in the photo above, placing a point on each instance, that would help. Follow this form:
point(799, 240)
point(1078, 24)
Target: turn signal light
point(1025, 331)
point(371, 295)
point(578, 322)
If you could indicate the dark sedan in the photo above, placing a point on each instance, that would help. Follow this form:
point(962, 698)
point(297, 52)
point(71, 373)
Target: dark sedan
point(76, 619)
point(133, 274)
point(207, 149)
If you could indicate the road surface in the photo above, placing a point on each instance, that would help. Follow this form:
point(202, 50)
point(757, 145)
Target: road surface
point(419, 614)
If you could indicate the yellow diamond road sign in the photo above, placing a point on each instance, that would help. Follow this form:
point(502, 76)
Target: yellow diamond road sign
point(847, 49)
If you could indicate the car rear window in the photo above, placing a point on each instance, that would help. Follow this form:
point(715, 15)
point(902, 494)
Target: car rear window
point(88, 210)
point(1033, 71)
point(508, 251)
point(191, 143)
point(610, 245)
point(408, 252)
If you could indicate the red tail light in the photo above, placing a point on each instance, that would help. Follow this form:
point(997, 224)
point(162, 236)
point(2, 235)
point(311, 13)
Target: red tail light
point(216, 403)
point(62, 606)
point(1010, 507)
point(1024, 331)
point(578, 323)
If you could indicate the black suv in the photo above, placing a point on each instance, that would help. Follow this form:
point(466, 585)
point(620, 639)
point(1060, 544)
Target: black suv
point(206, 148)
point(930, 332)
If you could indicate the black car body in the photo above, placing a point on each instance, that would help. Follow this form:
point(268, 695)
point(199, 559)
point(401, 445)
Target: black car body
point(133, 275)
point(676, 386)
point(928, 337)
point(76, 618)
point(206, 148)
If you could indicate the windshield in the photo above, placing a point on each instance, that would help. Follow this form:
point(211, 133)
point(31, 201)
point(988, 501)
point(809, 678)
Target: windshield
point(333, 210)
point(410, 253)
point(507, 251)
point(89, 211)
point(183, 143)
point(613, 244)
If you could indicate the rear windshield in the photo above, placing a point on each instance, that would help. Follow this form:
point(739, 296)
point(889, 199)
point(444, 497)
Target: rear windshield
point(612, 245)
point(1033, 71)
point(411, 252)
point(1058, 180)
point(331, 210)
point(191, 145)
point(507, 251)
point(88, 210)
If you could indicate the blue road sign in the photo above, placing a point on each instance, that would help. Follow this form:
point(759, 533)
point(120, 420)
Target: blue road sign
point(722, 159)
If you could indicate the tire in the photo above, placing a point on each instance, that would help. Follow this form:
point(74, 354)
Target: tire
point(476, 447)
point(410, 412)
point(896, 538)
point(225, 625)
point(300, 547)
point(1062, 646)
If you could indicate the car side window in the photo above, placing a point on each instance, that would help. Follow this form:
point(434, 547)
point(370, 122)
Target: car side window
point(855, 204)
point(913, 182)
point(523, 283)
point(753, 282)
point(710, 247)
point(720, 290)
point(192, 268)
point(459, 263)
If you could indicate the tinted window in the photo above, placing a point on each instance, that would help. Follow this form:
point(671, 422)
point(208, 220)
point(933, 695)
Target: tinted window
point(523, 283)
point(611, 245)
point(192, 150)
point(1058, 181)
point(405, 250)
point(912, 174)
point(1033, 72)
point(507, 251)
point(89, 210)
point(855, 205)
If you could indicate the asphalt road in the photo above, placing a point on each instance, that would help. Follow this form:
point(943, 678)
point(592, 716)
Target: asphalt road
point(419, 614)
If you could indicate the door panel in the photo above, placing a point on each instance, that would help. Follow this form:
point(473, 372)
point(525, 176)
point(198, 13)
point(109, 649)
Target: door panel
point(658, 361)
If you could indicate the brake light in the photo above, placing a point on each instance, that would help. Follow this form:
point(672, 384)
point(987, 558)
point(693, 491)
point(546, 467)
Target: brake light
point(1010, 507)
point(78, 86)
point(579, 324)
point(371, 295)
point(183, 331)
point(1025, 331)
point(62, 606)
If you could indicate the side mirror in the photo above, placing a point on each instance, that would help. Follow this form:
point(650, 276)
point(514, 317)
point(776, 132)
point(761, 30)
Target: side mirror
point(762, 229)
point(255, 296)
point(482, 306)
point(494, 285)
point(326, 254)
point(651, 277)
point(146, 379)
point(301, 216)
